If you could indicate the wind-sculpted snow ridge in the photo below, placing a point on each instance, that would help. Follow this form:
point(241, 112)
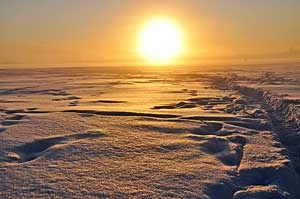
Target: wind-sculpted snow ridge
point(40, 147)
point(289, 112)
point(285, 121)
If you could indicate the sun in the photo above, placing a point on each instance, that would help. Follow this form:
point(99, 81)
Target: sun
point(160, 41)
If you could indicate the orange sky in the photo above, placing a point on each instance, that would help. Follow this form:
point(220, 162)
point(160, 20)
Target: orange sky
point(54, 32)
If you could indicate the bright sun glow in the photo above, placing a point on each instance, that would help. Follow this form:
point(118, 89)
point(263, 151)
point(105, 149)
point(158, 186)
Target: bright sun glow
point(160, 41)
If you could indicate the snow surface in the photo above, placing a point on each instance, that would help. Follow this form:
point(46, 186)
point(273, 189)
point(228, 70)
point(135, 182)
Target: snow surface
point(130, 132)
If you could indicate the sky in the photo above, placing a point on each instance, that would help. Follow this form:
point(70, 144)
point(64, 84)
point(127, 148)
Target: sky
point(39, 32)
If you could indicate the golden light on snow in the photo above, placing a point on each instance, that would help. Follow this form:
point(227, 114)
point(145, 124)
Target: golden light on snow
point(160, 41)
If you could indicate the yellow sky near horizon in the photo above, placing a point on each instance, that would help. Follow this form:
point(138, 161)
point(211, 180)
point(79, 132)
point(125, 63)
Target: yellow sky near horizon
point(102, 31)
